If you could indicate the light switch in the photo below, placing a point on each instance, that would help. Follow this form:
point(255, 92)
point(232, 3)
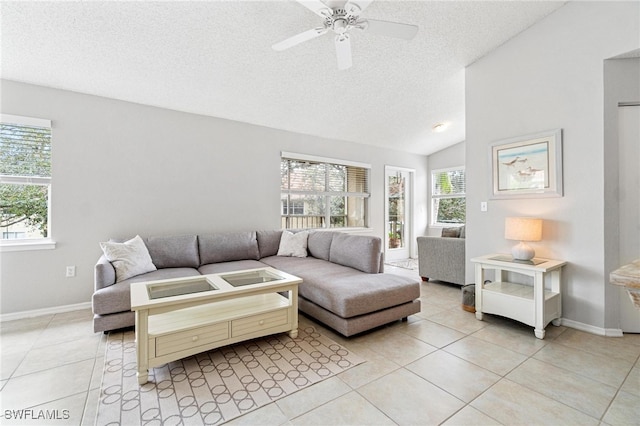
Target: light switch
point(483, 206)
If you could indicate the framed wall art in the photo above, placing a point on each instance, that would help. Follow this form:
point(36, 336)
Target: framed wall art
point(528, 166)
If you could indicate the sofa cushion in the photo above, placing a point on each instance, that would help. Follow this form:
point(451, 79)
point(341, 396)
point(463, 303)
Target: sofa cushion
point(299, 265)
point(320, 244)
point(174, 251)
point(351, 294)
point(129, 259)
point(268, 242)
point(236, 265)
point(343, 290)
point(225, 247)
point(117, 297)
point(293, 244)
point(361, 252)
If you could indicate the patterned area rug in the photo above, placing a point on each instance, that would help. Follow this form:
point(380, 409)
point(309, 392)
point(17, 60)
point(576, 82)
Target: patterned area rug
point(405, 264)
point(215, 386)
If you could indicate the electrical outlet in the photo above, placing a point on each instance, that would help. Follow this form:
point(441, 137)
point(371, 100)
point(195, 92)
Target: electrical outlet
point(71, 271)
point(483, 206)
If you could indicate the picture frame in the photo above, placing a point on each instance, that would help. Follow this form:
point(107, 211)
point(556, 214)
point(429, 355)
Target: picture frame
point(528, 166)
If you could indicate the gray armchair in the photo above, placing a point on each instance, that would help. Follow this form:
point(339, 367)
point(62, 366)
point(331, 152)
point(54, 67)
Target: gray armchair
point(442, 259)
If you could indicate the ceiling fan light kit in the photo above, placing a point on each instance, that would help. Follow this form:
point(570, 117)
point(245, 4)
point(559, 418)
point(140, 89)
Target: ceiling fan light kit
point(342, 20)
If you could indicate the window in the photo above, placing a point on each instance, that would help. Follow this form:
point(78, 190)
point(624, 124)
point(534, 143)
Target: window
point(323, 193)
point(25, 177)
point(293, 207)
point(448, 196)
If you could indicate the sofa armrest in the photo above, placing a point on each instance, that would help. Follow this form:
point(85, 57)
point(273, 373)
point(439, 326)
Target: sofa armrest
point(442, 259)
point(104, 274)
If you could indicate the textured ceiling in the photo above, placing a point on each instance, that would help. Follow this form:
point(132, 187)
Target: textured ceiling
point(215, 58)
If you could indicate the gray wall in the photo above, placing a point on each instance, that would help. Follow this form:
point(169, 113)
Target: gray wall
point(121, 169)
point(551, 76)
point(452, 156)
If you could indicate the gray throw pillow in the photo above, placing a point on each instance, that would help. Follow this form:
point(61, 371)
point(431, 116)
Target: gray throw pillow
point(450, 232)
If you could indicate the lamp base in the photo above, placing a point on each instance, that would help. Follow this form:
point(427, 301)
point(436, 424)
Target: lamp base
point(522, 251)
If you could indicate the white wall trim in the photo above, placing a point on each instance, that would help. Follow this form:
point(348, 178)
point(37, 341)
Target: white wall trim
point(608, 332)
point(45, 311)
point(25, 121)
point(315, 158)
point(26, 244)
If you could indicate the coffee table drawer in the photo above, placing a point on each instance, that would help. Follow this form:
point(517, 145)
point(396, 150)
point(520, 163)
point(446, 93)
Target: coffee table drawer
point(259, 322)
point(175, 342)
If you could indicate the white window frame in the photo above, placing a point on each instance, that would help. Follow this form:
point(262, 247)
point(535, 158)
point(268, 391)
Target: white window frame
point(284, 155)
point(28, 243)
point(434, 213)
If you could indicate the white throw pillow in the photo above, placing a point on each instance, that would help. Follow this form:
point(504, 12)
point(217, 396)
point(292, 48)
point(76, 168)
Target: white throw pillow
point(293, 244)
point(129, 259)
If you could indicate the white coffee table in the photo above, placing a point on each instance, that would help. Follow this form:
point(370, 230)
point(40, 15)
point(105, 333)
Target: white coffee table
point(176, 318)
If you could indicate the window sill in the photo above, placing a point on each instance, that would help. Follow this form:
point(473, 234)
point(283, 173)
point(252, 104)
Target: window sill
point(27, 245)
point(351, 230)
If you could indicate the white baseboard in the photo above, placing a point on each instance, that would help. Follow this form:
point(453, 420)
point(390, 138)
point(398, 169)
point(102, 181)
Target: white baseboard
point(608, 332)
point(45, 311)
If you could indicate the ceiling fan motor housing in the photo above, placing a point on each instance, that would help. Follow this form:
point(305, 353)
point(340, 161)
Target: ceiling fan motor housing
point(340, 21)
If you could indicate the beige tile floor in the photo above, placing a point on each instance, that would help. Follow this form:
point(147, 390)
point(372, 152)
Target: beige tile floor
point(441, 367)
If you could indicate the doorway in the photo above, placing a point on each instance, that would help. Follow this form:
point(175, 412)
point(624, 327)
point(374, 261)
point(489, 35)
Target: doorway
point(398, 212)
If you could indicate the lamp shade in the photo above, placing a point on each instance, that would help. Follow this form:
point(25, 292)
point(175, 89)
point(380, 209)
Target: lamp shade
point(523, 229)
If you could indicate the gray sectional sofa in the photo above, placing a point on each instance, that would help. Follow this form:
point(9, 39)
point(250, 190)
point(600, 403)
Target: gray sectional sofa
point(343, 285)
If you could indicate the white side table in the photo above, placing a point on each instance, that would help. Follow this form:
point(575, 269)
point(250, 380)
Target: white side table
point(533, 305)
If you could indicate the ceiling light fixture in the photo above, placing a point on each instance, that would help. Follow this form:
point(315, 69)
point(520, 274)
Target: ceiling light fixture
point(440, 127)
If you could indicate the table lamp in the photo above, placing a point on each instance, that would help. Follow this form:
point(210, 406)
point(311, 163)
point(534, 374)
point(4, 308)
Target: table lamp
point(523, 229)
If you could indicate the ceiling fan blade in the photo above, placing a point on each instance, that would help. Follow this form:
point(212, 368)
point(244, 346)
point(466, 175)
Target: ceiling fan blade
point(343, 51)
point(299, 38)
point(390, 29)
point(359, 4)
point(317, 7)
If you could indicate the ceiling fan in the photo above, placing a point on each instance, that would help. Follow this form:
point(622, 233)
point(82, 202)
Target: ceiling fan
point(340, 21)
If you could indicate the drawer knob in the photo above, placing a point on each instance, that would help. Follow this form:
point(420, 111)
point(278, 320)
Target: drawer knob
point(194, 338)
point(261, 322)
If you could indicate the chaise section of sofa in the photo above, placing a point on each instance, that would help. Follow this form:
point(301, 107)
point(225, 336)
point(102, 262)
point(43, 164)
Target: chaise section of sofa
point(344, 288)
point(343, 281)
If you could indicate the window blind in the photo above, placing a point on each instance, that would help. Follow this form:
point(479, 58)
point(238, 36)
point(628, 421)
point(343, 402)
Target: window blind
point(305, 177)
point(449, 182)
point(25, 150)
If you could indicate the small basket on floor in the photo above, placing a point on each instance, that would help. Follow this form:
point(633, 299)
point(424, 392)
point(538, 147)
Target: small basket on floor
point(469, 297)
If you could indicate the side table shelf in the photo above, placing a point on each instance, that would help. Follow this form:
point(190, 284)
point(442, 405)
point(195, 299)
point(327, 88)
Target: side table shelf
point(532, 305)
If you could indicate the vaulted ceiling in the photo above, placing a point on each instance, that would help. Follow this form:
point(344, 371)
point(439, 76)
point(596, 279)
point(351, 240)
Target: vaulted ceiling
point(215, 58)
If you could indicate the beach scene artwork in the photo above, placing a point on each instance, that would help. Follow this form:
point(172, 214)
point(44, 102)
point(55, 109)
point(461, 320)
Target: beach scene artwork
point(523, 167)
